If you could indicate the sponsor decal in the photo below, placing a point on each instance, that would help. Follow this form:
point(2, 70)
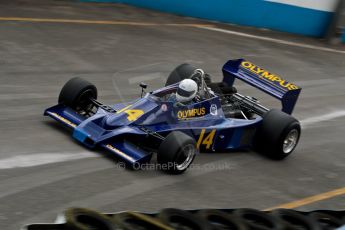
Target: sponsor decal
point(132, 114)
point(213, 110)
point(262, 73)
point(164, 107)
point(119, 152)
point(197, 112)
point(63, 120)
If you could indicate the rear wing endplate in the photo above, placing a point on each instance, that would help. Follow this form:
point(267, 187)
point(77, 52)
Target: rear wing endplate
point(272, 84)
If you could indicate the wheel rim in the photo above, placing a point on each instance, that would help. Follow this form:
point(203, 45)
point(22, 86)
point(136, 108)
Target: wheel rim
point(186, 157)
point(290, 141)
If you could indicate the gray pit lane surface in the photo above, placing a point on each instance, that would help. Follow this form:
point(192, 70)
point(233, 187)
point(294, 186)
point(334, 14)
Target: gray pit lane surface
point(37, 58)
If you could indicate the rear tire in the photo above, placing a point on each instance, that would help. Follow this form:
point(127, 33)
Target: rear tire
point(76, 94)
point(278, 135)
point(180, 73)
point(176, 153)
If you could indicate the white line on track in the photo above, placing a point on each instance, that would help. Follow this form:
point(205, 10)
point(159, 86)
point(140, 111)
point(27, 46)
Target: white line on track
point(325, 117)
point(50, 175)
point(30, 160)
point(279, 41)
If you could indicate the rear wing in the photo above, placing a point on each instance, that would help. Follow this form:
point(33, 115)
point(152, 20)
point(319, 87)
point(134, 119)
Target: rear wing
point(272, 84)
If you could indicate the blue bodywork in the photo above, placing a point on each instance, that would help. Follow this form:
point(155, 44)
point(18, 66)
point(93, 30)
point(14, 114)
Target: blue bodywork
point(125, 132)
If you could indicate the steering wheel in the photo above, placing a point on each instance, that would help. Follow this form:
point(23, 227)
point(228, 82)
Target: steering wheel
point(199, 77)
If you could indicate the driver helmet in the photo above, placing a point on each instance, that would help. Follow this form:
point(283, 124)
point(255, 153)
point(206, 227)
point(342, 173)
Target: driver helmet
point(186, 90)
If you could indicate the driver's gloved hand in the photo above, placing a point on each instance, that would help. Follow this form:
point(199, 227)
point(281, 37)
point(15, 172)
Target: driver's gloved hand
point(207, 79)
point(197, 97)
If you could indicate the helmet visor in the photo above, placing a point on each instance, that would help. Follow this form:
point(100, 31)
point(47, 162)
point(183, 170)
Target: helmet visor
point(184, 93)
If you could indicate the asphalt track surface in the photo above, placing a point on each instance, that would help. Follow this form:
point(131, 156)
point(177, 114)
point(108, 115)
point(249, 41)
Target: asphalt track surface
point(43, 171)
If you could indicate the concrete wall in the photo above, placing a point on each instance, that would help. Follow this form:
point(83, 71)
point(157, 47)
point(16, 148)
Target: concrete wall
point(342, 21)
point(306, 17)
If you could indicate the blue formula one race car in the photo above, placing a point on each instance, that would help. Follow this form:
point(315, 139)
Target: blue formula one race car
point(219, 120)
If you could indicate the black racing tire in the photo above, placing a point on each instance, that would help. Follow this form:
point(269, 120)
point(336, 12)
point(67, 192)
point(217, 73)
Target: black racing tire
point(76, 93)
point(45, 227)
point(180, 219)
point(257, 220)
point(180, 73)
point(176, 153)
point(222, 88)
point(134, 221)
point(326, 221)
point(85, 219)
point(294, 220)
point(276, 127)
point(221, 220)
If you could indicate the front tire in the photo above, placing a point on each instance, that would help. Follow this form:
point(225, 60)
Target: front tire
point(176, 153)
point(278, 135)
point(76, 93)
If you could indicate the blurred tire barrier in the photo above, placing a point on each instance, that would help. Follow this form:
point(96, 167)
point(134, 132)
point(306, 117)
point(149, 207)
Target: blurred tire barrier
point(180, 219)
point(222, 220)
point(258, 220)
point(134, 221)
point(85, 219)
point(326, 221)
point(213, 219)
point(292, 219)
point(46, 227)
